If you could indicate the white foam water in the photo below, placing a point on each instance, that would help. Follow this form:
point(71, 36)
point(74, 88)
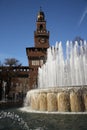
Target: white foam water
point(60, 71)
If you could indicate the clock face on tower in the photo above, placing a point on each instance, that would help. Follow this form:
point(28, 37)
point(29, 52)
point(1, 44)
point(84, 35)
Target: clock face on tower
point(42, 40)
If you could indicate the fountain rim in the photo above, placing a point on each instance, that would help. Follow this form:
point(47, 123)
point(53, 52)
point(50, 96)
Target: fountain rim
point(58, 89)
point(29, 110)
point(55, 92)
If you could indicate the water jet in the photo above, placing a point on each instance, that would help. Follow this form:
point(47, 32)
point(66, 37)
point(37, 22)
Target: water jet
point(62, 82)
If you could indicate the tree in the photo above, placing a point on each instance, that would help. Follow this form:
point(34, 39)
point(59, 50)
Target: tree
point(6, 72)
point(79, 40)
point(80, 44)
point(1, 64)
point(12, 62)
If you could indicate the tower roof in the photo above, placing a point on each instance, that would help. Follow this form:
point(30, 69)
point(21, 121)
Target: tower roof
point(40, 16)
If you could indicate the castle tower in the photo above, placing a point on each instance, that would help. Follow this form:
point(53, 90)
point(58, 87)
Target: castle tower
point(41, 35)
point(37, 54)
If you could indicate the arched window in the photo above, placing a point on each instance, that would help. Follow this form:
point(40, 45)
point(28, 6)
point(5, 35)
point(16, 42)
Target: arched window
point(41, 27)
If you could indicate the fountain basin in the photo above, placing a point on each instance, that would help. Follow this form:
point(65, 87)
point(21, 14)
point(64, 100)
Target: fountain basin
point(62, 99)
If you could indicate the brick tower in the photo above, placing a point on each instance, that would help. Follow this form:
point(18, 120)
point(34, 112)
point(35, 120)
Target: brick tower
point(37, 54)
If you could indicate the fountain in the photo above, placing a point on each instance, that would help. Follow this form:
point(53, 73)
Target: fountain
point(59, 71)
point(62, 82)
point(61, 98)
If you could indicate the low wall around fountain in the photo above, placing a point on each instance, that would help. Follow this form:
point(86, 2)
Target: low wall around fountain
point(68, 99)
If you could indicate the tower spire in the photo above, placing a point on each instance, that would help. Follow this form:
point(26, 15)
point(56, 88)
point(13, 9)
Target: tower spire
point(40, 16)
point(40, 8)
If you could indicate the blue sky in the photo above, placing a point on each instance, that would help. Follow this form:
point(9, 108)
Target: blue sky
point(66, 19)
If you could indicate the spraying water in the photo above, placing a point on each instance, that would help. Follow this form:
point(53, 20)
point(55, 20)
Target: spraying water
point(58, 71)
